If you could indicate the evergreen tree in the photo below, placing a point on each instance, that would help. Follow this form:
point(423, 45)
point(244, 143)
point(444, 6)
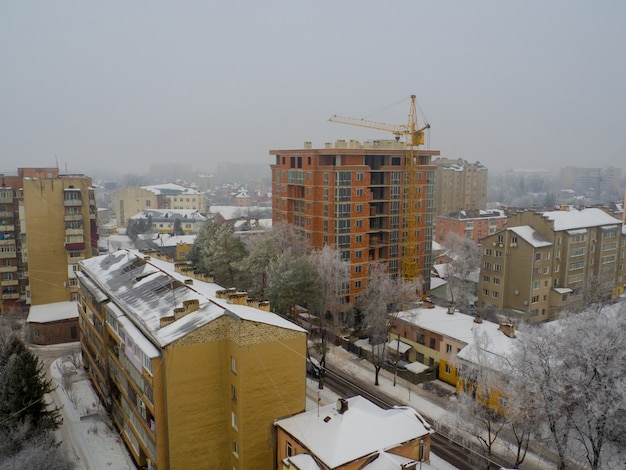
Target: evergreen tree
point(23, 387)
point(178, 227)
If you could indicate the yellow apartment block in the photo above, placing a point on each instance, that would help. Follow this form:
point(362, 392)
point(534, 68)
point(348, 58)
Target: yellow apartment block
point(59, 229)
point(194, 375)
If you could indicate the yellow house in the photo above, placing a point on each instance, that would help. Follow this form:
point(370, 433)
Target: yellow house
point(131, 201)
point(193, 375)
point(353, 434)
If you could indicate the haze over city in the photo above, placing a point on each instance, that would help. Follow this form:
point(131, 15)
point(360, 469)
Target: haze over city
point(122, 85)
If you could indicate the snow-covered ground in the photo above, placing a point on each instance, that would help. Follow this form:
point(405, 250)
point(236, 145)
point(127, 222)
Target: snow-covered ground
point(94, 443)
point(89, 436)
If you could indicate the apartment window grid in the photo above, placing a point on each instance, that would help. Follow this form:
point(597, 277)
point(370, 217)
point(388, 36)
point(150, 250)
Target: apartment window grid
point(343, 178)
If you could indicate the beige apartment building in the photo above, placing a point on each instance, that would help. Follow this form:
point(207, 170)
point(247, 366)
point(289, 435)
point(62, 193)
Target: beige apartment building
point(542, 263)
point(47, 225)
point(194, 375)
point(132, 201)
point(459, 186)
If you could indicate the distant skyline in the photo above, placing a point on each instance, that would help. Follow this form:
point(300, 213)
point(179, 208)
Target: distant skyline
point(120, 85)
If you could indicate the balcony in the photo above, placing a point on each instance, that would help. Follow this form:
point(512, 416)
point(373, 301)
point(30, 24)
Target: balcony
point(75, 246)
point(72, 202)
point(8, 269)
point(73, 217)
point(7, 228)
point(6, 199)
point(6, 215)
point(7, 283)
point(7, 255)
point(10, 295)
point(74, 231)
point(7, 241)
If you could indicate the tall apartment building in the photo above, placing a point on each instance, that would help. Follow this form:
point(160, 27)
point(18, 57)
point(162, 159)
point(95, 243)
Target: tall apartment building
point(470, 224)
point(133, 200)
point(603, 183)
point(194, 375)
point(47, 225)
point(459, 185)
point(350, 195)
point(542, 263)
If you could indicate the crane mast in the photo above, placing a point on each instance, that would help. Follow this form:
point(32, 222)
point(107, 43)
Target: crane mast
point(413, 138)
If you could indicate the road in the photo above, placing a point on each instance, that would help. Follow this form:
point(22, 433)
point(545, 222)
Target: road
point(457, 455)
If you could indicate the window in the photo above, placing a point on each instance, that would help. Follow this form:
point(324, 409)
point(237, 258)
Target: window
point(535, 285)
point(432, 344)
point(233, 364)
point(357, 269)
point(235, 449)
point(496, 281)
point(448, 348)
point(535, 299)
point(495, 294)
point(486, 278)
point(485, 292)
point(359, 223)
point(609, 246)
point(448, 369)
point(488, 251)
point(359, 207)
point(359, 176)
point(289, 449)
point(537, 256)
point(578, 251)
point(497, 267)
point(499, 253)
point(233, 393)
point(358, 238)
point(359, 192)
point(234, 420)
point(577, 265)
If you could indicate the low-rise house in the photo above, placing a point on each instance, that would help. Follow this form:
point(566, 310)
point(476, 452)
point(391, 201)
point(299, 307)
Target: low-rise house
point(53, 323)
point(353, 434)
point(164, 220)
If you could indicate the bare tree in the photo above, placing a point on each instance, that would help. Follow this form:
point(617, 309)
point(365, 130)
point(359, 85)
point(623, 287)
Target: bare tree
point(575, 374)
point(464, 263)
point(376, 303)
point(480, 372)
point(333, 276)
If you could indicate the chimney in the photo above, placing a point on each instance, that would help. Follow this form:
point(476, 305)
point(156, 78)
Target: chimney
point(478, 319)
point(189, 282)
point(164, 321)
point(508, 329)
point(451, 310)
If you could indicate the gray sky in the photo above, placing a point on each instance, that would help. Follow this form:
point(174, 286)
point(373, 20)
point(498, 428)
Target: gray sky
point(525, 84)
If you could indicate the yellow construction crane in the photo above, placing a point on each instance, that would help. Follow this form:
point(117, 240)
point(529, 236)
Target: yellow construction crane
point(413, 137)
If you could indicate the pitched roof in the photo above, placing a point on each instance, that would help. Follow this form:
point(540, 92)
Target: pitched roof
point(531, 236)
point(147, 290)
point(573, 219)
point(364, 428)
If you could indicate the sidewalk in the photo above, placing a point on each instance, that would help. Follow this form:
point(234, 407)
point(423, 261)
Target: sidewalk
point(438, 410)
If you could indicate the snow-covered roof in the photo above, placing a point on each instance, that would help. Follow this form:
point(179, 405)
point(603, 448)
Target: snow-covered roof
point(437, 282)
point(165, 239)
point(170, 188)
point(562, 290)
point(46, 313)
point(531, 236)
point(364, 428)
point(573, 219)
point(171, 214)
point(458, 326)
point(147, 290)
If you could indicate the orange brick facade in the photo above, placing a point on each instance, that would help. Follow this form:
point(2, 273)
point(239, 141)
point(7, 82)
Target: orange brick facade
point(474, 227)
point(353, 199)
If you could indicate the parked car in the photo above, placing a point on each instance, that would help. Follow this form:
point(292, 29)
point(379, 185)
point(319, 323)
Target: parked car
point(314, 368)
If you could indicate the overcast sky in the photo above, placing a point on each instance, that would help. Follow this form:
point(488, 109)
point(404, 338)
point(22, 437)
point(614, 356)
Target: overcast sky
point(94, 85)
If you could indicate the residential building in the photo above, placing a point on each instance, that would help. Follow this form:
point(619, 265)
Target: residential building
point(544, 262)
point(459, 186)
point(435, 336)
point(354, 433)
point(350, 195)
point(475, 224)
point(164, 220)
point(47, 224)
point(194, 375)
point(133, 200)
point(604, 183)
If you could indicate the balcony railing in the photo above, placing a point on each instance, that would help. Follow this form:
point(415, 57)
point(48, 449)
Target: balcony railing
point(72, 202)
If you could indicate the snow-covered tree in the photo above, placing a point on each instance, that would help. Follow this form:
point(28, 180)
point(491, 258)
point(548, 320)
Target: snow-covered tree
point(23, 386)
point(376, 303)
point(481, 410)
point(218, 251)
point(291, 282)
point(574, 371)
point(464, 263)
point(333, 277)
point(266, 247)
